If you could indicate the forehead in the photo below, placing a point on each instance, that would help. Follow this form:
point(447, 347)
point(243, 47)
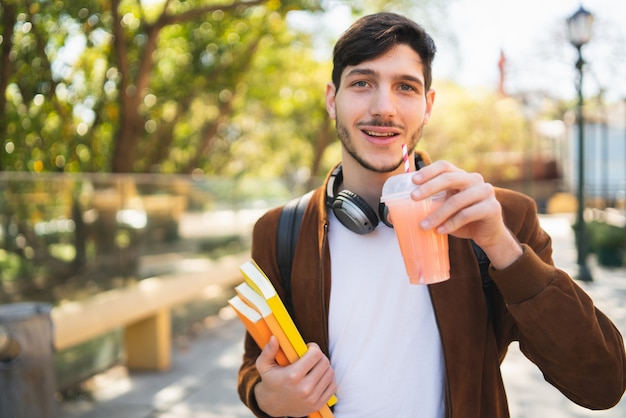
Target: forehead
point(397, 62)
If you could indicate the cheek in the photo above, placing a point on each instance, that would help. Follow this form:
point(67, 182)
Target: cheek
point(341, 111)
point(416, 112)
point(350, 109)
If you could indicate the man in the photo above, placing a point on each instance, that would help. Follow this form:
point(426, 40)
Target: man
point(390, 349)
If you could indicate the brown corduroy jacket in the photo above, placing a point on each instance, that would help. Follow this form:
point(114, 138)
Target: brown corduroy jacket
point(576, 346)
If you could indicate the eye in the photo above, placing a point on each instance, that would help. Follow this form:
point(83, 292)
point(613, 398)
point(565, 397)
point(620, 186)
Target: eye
point(360, 83)
point(407, 87)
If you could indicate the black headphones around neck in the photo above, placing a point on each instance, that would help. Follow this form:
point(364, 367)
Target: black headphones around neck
point(351, 209)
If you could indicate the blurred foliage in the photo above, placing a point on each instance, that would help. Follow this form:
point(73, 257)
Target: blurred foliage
point(67, 237)
point(154, 86)
point(608, 242)
point(170, 86)
point(470, 126)
point(227, 90)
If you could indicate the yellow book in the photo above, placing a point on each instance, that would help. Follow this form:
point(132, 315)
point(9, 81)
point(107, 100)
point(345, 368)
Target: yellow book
point(257, 280)
point(260, 322)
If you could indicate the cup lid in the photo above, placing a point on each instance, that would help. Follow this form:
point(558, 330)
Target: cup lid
point(398, 186)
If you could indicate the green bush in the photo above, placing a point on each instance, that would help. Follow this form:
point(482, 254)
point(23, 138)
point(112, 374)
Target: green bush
point(608, 242)
point(605, 236)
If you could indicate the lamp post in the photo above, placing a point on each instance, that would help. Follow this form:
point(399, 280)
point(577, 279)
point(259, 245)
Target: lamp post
point(579, 31)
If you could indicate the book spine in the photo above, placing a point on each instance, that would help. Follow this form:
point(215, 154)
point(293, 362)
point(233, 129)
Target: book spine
point(283, 339)
point(284, 319)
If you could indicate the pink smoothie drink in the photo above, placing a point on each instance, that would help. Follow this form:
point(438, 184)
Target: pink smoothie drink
point(425, 253)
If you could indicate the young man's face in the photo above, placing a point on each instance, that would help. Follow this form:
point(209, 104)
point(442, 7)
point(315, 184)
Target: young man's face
point(380, 105)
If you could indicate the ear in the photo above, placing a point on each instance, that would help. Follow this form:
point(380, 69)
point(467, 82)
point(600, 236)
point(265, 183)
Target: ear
point(330, 100)
point(430, 101)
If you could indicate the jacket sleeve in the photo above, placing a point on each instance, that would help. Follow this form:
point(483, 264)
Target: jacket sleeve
point(578, 349)
point(264, 254)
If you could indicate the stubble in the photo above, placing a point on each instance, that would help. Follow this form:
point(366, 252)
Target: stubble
point(344, 136)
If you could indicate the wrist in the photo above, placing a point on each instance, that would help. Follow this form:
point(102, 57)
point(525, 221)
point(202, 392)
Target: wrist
point(504, 252)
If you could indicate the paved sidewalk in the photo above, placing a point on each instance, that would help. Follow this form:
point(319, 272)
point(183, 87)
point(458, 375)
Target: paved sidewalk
point(201, 383)
point(202, 379)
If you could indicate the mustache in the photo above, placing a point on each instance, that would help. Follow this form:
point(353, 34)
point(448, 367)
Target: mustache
point(380, 123)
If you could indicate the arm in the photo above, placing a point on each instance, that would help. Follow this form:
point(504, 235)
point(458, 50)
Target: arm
point(249, 376)
point(267, 388)
point(577, 347)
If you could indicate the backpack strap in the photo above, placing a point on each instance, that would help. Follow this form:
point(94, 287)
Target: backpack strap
point(488, 283)
point(287, 239)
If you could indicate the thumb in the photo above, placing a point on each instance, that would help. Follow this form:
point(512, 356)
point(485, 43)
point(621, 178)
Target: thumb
point(267, 358)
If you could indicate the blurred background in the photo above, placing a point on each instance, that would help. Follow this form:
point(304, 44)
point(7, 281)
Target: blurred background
point(141, 139)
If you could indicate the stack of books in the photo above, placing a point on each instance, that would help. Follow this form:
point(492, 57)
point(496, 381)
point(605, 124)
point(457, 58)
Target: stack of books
point(263, 313)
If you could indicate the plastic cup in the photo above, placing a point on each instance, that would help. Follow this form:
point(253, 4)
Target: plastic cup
point(425, 253)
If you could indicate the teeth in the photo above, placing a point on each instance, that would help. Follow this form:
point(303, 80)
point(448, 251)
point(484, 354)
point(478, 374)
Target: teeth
point(381, 134)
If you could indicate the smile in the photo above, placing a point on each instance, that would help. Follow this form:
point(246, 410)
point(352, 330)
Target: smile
point(380, 134)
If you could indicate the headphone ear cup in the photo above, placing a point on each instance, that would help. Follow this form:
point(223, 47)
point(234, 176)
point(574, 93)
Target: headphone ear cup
point(383, 214)
point(354, 212)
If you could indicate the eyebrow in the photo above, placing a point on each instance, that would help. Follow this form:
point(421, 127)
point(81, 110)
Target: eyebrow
point(361, 71)
point(370, 72)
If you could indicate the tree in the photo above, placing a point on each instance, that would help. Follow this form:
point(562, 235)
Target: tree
point(102, 86)
point(110, 86)
point(127, 86)
point(469, 127)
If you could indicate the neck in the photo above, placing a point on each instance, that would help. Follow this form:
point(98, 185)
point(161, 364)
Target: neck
point(366, 183)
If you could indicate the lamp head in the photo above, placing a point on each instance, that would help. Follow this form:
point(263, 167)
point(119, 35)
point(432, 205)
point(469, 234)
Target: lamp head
point(579, 27)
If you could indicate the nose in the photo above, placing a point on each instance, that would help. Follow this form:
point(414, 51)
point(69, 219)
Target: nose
point(383, 104)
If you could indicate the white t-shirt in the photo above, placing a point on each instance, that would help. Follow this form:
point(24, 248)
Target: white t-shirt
point(385, 346)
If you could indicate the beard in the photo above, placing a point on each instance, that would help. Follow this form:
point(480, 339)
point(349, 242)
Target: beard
point(346, 141)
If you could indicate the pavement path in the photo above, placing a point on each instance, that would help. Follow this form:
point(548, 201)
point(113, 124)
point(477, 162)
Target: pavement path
point(201, 382)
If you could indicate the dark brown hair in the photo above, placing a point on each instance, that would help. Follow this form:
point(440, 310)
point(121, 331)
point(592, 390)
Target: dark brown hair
point(373, 35)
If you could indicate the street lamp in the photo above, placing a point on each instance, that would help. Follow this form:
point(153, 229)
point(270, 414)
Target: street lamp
point(579, 31)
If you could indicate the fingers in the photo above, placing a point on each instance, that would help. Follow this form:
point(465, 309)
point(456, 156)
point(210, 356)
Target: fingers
point(464, 207)
point(305, 385)
point(267, 358)
point(470, 202)
point(321, 376)
point(312, 376)
point(442, 176)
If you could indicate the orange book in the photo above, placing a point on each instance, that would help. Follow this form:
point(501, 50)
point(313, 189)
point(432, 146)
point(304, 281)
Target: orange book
point(256, 326)
point(258, 281)
point(257, 317)
point(272, 309)
point(256, 302)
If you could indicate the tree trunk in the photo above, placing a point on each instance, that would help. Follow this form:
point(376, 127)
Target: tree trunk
point(323, 139)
